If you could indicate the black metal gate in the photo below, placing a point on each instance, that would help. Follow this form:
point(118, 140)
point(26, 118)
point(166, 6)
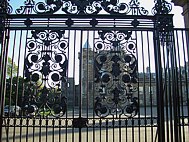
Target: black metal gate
point(92, 71)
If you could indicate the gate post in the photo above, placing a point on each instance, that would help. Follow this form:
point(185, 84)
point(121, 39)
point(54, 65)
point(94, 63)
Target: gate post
point(3, 59)
point(163, 35)
point(164, 38)
point(159, 87)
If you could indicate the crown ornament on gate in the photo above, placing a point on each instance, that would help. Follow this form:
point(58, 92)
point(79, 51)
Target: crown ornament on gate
point(82, 7)
point(161, 7)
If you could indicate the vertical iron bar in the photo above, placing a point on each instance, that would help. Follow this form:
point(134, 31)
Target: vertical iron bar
point(80, 83)
point(27, 129)
point(11, 76)
point(100, 122)
point(40, 123)
point(113, 130)
point(144, 84)
point(138, 95)
point(19, 56)
point(120, 128)
point(93, 97)
point(186, 74)
point(94, 130)
point(126, 130)
point(181, 118)
point(46, 132)
point(159, 88)
point(14, 129)
point(175, 89)
point(69, 40)
point(5, 79)
point(3, 66)
point(170, 98)
point(185, 78)
point(20, 125)
point(150, 85)
point(33, 130)
point(53, 125)
point(74, 67)
point(23, 84)
point(10, 97)
point(59, 130)
point(88, 73)
point(133, 129)
point(164, 56)
point(107, 130)
point(18, 81)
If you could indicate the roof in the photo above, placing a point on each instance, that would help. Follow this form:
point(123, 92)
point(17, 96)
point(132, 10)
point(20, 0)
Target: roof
point(86, 45)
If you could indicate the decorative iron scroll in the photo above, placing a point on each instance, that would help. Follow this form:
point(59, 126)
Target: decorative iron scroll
point(115, 74)
point(46, 65)
point(82, 7)
point(164, 26)
point(161, 7)
point(5, 7)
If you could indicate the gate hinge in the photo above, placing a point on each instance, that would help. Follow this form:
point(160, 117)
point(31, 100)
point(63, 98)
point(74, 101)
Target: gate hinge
point(80, 122)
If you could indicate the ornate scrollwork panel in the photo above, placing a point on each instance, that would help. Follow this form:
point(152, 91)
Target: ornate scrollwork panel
point(82, 7)
point(115, 74)
point(27, 8)
point(46, 66)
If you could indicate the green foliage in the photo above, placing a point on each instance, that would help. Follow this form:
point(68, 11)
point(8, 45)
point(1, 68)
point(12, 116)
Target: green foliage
point(17, 88)
point(14, 88)
point(20, 90)
point(11, 68)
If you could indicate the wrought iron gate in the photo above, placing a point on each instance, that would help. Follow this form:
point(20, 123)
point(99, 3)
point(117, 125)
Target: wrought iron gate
point(93, 70)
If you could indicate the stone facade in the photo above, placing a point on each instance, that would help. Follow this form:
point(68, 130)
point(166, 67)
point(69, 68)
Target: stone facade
point(185, 5)
point(71, 92)
point(180, 2)
point(88, 95)
point(146, 86)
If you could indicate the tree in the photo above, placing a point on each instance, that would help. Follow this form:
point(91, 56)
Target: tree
point(11, 68)
point(14, 85)
point(16, 89)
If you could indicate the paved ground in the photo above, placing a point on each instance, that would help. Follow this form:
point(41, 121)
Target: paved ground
point(90, 135)
point(55, 130)
point(55, 134)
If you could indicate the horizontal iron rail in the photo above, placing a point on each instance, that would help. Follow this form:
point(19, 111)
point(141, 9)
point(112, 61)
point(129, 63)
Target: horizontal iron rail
point(79, 28)
point(96, 123)
point(91, 28)
point(78, 16)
